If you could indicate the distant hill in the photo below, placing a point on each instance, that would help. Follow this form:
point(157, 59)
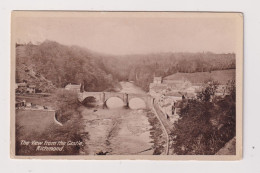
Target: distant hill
point(222, 76)
point(60, 64)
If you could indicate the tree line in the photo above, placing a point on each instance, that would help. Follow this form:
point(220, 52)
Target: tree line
point(98, 72)
point(142, 68)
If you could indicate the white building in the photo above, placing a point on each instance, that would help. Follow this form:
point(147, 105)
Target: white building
point(73, 87)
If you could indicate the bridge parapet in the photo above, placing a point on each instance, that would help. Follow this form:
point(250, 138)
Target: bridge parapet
point(102, 97)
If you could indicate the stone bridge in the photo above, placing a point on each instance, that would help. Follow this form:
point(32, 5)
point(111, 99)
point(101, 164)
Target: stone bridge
point(102, 97)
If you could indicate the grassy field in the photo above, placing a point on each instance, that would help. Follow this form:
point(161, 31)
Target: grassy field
point(35, 121)
point(222, 76)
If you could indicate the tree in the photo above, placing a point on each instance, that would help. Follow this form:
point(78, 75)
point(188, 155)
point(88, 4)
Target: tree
point(231, 89)
point(208, 91)
point(193, 131)
point(205, 126)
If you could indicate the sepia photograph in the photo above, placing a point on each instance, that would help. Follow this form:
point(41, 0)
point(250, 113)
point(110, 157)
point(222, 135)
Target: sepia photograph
point(126, 85)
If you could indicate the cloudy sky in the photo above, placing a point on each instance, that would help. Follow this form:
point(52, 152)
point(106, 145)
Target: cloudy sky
point(127, 35)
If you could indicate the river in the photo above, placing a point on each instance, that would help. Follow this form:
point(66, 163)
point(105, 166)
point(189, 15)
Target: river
point(118, 131)
point(129, 87)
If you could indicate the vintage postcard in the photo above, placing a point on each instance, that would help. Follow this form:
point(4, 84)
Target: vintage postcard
point(126, 85)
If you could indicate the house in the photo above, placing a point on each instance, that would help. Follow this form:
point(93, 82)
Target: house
point(176, 108)
point(221, 91)
point(73, 87)
point(157, 80)
point(19, 103)
point(156, 90)
point(31, 89)
point(21, 87)
point(28, 104)
point(25, 88)
point(184, 86)
point(175, 96)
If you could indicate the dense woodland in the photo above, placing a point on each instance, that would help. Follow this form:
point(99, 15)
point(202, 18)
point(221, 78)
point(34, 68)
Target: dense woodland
point(62, 64)
point(206, 125)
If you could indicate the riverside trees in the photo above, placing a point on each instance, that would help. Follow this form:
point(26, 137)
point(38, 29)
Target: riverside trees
point(206, 124)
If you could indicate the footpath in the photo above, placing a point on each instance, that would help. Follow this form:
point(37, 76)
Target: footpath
point(166, 124)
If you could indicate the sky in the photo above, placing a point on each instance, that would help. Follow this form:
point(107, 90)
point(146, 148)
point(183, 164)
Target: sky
point(132, 35)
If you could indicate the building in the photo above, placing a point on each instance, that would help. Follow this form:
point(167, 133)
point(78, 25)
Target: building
point(24, 88)
point(183, 86)
point(21, 88)
point(31, 89)
point(157, 80)
point(20, 103)
point(175, 96)
point(73, 87)
point(28, 104)
point(221, 91)
point(157, 88)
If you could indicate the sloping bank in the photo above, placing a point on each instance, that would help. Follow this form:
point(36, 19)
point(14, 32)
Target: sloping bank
point(158, 134)
point(165, 124)
point(49, 137)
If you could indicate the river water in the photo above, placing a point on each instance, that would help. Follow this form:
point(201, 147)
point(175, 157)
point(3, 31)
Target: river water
point(118, 131)
point(129, 87)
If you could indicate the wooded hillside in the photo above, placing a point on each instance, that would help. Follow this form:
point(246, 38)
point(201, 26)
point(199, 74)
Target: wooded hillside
point(142, 68)
point(62, 64)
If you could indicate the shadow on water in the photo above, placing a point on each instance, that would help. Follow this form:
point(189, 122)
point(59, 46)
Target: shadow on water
point(89, 102)
point(111, 103)
point(114, 103)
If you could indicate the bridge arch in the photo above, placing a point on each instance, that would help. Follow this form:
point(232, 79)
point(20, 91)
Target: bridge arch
point(103, 97)
point(137, 103)
point(90, 101)
point(114, 102)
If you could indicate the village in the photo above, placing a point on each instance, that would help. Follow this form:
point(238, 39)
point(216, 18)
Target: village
point(169, 93)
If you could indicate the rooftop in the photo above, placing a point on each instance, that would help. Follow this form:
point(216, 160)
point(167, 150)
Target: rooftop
point(72, 86)
point(21, 84)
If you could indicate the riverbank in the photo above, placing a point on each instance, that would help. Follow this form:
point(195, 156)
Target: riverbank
point(157, 134)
